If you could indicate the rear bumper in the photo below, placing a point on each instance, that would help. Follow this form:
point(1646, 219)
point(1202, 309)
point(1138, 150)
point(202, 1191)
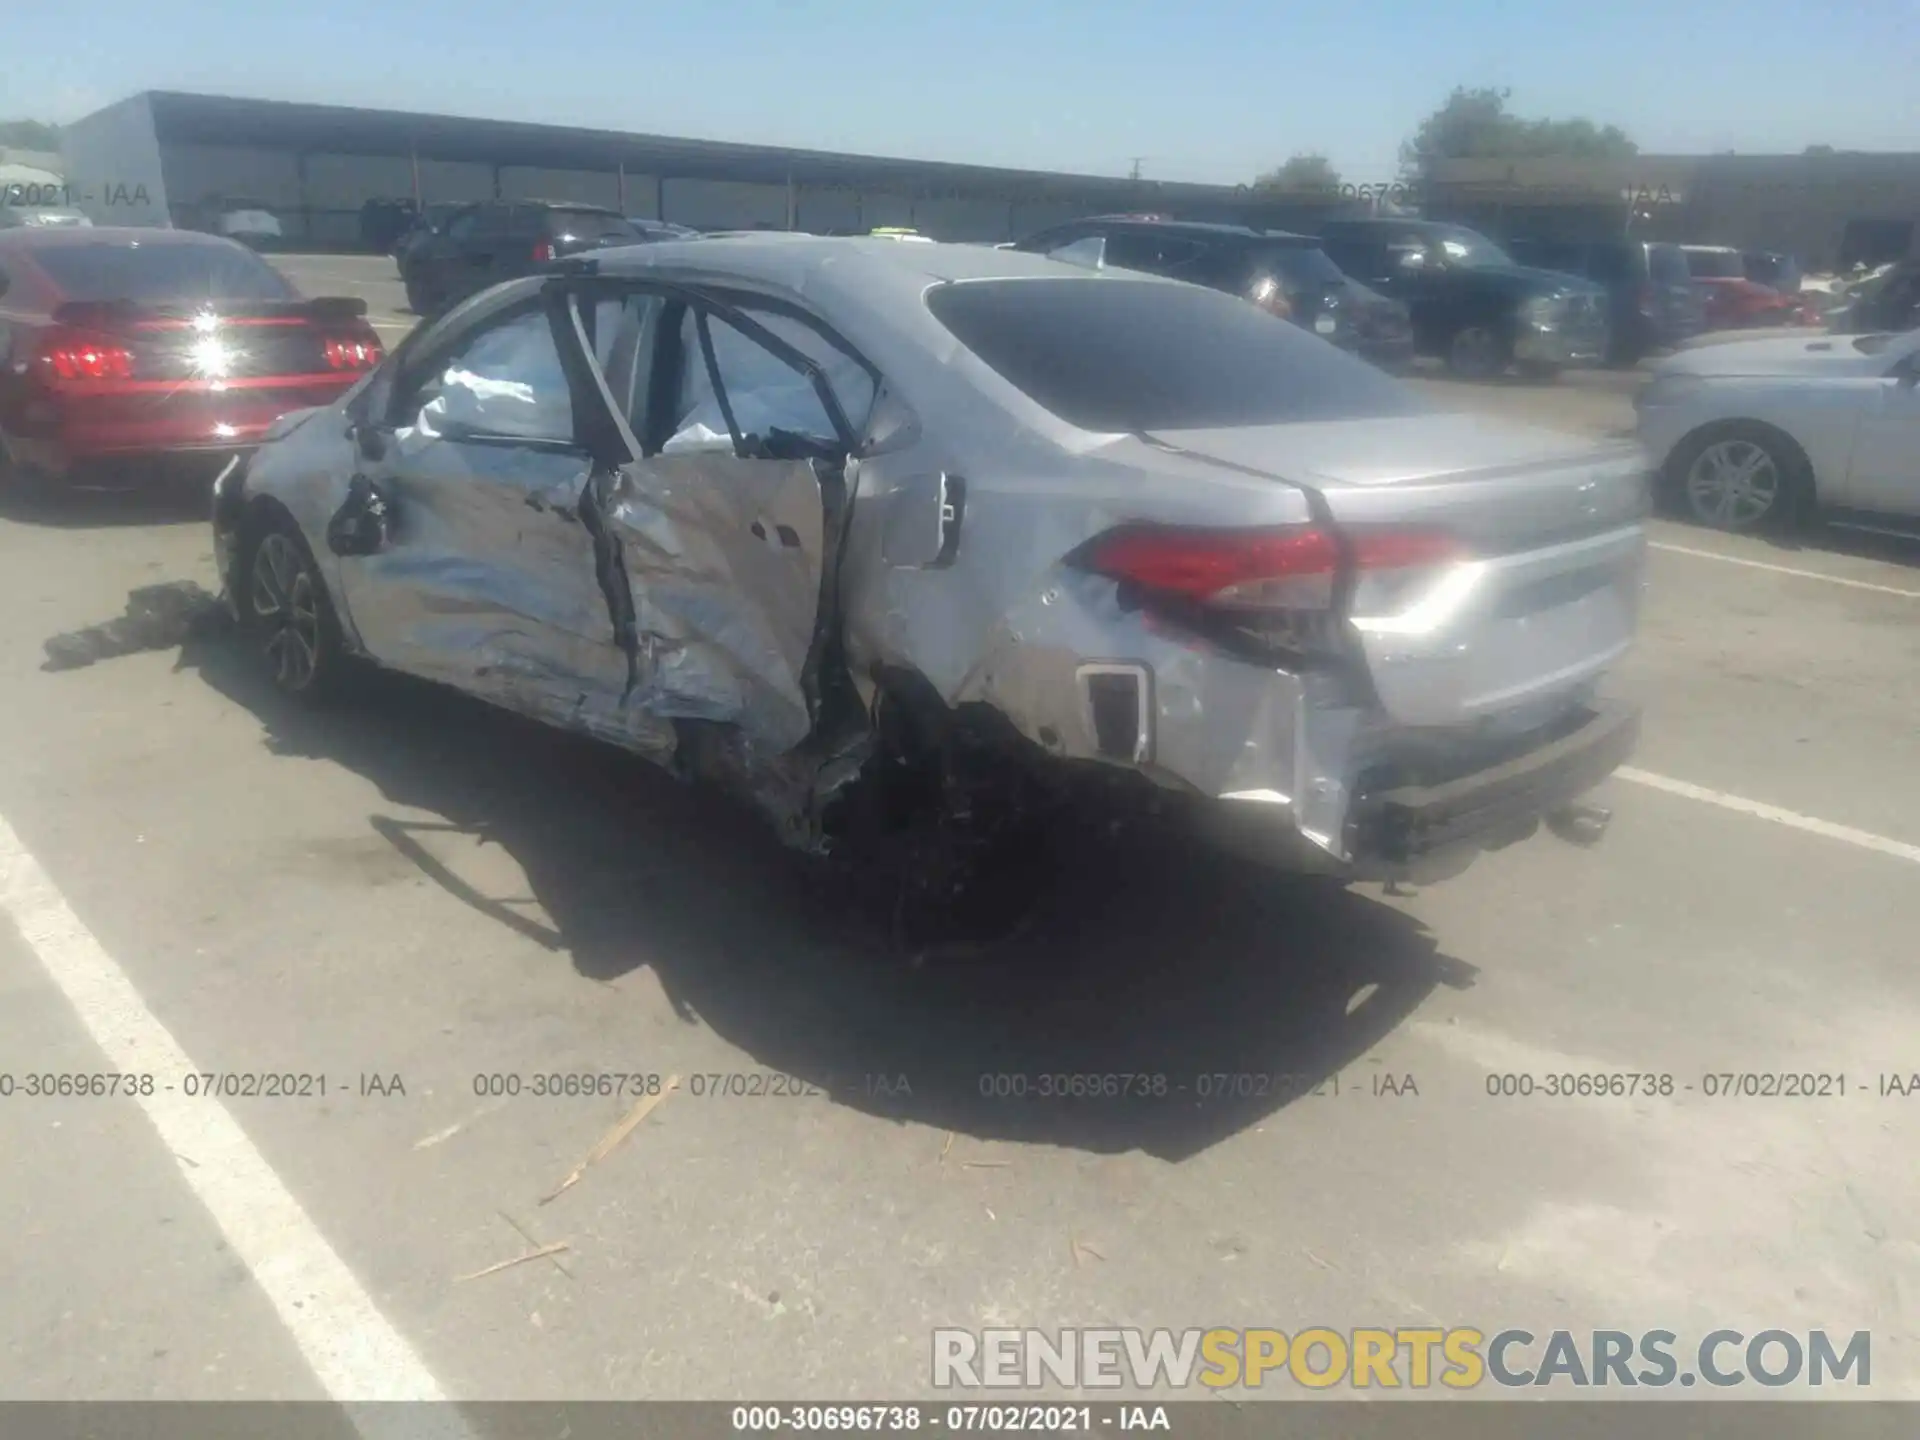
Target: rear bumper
point(1495, 806)
point(75, 433)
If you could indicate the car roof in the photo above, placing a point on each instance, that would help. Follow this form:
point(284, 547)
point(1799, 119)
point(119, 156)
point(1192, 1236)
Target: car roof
point(1399, 222)
point(563, 205)
point(785, 258)
point(42, 237)
point(1197, 229)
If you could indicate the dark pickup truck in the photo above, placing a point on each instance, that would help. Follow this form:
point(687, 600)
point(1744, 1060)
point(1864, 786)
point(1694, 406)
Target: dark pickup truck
point(1472, 304)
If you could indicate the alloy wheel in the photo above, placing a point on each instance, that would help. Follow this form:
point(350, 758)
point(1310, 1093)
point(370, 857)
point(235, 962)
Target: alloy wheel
point(1733, 484)
point(286, 605)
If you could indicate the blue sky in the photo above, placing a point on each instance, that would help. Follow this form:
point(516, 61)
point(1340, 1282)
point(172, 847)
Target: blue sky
point(1208, 90)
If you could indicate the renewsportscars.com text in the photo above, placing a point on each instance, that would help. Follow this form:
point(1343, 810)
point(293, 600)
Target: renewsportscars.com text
point(1406, 1358)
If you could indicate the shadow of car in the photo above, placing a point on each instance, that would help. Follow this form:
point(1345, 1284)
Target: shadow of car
point(1192, 997)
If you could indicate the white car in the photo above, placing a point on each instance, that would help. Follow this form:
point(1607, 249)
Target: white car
point(1769, 432)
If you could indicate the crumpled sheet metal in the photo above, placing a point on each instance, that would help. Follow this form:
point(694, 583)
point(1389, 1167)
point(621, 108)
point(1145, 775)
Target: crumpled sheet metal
point(1221, 728)
point(723, 558)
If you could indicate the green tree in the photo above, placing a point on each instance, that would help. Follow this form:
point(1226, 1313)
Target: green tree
point(29, 135)
point(1476, 124)
point(1306, 171)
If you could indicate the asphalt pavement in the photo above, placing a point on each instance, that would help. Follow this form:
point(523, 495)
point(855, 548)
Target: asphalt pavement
point(414, 903)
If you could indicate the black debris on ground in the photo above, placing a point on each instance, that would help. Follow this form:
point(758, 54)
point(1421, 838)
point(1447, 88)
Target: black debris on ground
point(158, 617)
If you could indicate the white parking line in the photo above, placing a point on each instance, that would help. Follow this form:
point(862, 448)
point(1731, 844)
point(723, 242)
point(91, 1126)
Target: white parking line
point(353, 1350)
point(1866, 840)
point(1783, 569)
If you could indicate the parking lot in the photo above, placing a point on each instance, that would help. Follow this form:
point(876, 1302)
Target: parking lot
point(415, 894)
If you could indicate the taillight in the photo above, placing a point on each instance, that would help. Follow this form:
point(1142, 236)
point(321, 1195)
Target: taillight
point(1266, 573)
point(542, 250)
point(1271, 296)
point(352, 353)
point(1232, 569)
point(73, 356)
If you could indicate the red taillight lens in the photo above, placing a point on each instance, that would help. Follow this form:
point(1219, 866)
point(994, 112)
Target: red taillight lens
point(1283, 568)
point(543, 251)
point(352, 353)
point(75, 357)
point(1213, 567)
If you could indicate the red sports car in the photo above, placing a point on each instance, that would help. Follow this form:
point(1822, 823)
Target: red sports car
point(1733, 302)
point(119, 344)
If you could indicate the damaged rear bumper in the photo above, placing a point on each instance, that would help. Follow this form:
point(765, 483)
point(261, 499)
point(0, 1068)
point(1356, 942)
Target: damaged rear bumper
point(1495, 806)
point(1424, 833)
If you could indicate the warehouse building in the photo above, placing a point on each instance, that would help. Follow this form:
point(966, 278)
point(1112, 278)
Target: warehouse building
point(1829, 210)
point(165, 157)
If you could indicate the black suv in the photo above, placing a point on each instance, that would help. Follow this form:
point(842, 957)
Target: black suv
point(482, 245)
point(1652, 301)
point(1472, 303)
point(1288, 275)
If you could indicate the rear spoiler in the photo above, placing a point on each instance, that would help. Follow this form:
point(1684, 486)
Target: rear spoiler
point(332, 309)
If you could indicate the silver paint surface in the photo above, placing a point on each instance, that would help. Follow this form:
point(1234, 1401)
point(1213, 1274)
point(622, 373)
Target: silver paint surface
point(499, 597)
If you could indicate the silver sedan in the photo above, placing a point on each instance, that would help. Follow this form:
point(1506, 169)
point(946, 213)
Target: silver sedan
point(1759, 433)
point(905, 542)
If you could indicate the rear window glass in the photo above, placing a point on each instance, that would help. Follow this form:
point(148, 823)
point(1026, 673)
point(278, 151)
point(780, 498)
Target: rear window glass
point(591, 225)
point(1667, 264)
point(1114, 355)
point(1715, 265)
point(160, 274)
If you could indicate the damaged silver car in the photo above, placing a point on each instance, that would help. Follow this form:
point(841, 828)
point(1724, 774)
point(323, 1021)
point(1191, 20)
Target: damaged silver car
point(908, 542)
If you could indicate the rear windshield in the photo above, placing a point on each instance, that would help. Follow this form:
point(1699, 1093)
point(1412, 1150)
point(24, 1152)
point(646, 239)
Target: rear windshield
point(1113, 355)
point(592, 225)
point(1667, 264)
point(160, 274)
point(1715, 265)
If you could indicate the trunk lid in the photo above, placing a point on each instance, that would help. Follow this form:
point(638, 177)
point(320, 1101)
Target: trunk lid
point(1547, 594)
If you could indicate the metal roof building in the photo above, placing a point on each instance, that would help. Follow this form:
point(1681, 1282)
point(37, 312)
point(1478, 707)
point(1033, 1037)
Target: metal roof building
point(314, 166)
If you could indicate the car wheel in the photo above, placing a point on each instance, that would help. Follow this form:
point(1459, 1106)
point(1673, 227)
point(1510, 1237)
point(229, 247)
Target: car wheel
point(1479, 352)
point(20, 481)
point(1739, 478)
point(284, 605)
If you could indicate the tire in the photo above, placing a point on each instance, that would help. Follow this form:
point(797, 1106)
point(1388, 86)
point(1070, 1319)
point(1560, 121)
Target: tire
point(1478, 352)
point(418, 301)
point(284, 606)
point(21, 482)
point(1743, 478)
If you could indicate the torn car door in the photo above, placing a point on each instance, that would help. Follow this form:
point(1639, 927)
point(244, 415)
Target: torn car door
point(479, 573)
point(727, 525)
